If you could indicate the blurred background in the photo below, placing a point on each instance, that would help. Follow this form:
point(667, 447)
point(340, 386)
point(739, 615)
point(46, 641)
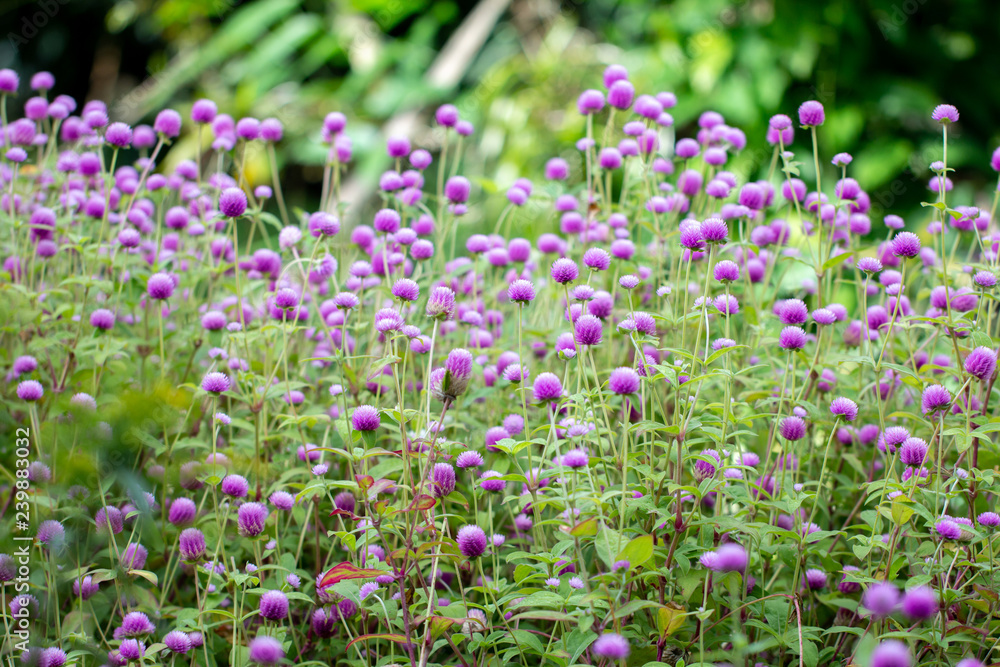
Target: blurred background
point(515, 67)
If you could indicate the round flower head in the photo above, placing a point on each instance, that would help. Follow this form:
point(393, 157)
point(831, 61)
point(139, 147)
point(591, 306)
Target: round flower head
point(880, 599)
point(471, 541)
point(564, 270)
point(405, 289)
point(792, 338)
point(521, 292)
point(726, 271)
point(469, 459)
point(365, 418)
point(182, 511)
point(706, 465)
point(624, 381)
point(177, 642)
point(811, 114)
point(441, 303)
point(135, 624)
point(266, 651)
point(935, 398)
point(30, 390)
point(945, 114)
point(727, 304)
point(51, 534)
point(816, 579)
point(235, 486)
point(488, 481)
point(714, 230)
point(912, 452)
point(443, 482)
point(597, 259)
point(191, 544)
point(215, 382)
point(732, 557)
point(576, 458)
point(274, 605)
point(547, 387)
point(160, 286)
point(948, 529)
point(232, 202)
point(920, 603)
point(844, 408)
point(869, 265)
point(456, 189)
point(589, 330)
point(891, 653)
point(251, 518)
point(131, 649)
point(792, 428)
point(981, 363)
point(906, 244)
point(612, 646)
point(988, 519)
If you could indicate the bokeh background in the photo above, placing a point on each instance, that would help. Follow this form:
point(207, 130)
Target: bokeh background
point(514, 68)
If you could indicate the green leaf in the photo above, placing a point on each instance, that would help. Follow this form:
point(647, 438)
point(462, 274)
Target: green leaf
point(638, 551)
point(836, 261)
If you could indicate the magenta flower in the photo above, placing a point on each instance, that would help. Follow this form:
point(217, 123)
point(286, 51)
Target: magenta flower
point(471, 541)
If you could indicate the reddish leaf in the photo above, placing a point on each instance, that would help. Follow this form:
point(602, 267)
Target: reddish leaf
point(399, 639)
point(364, 481)
point(422, 502)
point(350, 515)
point(379, 486)
point(345, 571)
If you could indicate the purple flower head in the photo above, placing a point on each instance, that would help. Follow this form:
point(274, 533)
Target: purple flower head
point(232, 202)
point(880, 599)
point(811, 114)
point(988, 519)
point(471, 541)
point(727, 304)
point(985, 280)
point(131, 649)
point(906, 244)
point(792, 338)
point(51, 535)
point(981, 363)
point(469, 459)
point(891, 653)
point(547, 388)
point(706, 464)
point(215, 382)
point(714, 230)
point(792, 428)
point(792, 311)
point(235, 486)
point(488, 481)
point(160, 286)
point(441, 303)
point(612, 646)
point(251, 518)
point(405, 289)
point(816, 579)
point(948, 529)
point(191, 544)
point(920, 603)
point(576, 458)
point(597, 259)
point(913, 452)
point(447, 115)
point(934, 399)
point(945, 114)
point(266, 650)
point(521, 292)
point(844, 408)
point(564, 270)
point(30, 390)
point(726, 271)
point(134, 556)
point(443, 477)
point(624, 381)
point(869, 265)
point(182, 511)
point(136, 624)
point(456, 189)
point(732, 557)
point(274, 605)
point(365, 418)
point(177, 642)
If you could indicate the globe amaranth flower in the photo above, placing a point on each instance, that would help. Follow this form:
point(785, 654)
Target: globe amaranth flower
point(981, 363)
point(869, 265)
point(811, 114)
point(906, 244)
point(443, 480)
point(470, 459)
point(727, 304)
point(215, 382)
point(589, 330)
point(471, 541)
point(365, 418)
point(136, 624)
point(266, 650)
point(945, 114)
point(191, 544)
point(706, 465)
point(714, 230)
point(935, 399)
point(182, 511)
point(134, 556)
point(913, 452)
point(489, 481)
point(816, 579)
point(792, 428)
point(521, 292)
point(576, 458)
point(792, 338)
point(624, 381)
point(51, 535)
point(30, 390)
point(920, 603)
point(726, 271)
point(844, 408)
point(891, 653)
point(177, 642)
point(948, 529)
point(612, 646)
point(988, 519)
point(564, 270)
point(274, 605)
point(880, 599)
point(441, 303)
point(232, 202)
point(251, 518)
point(547, 388)
point(235, 486)
point(731, 557)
